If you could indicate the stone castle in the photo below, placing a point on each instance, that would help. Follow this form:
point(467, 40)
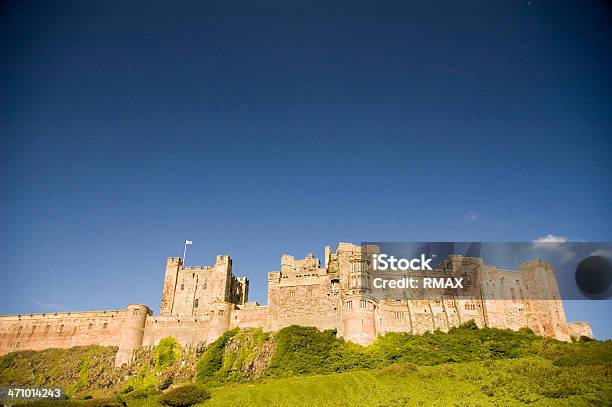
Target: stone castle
point(200, 303)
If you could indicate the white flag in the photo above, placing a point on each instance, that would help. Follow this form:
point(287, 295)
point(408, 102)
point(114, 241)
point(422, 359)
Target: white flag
point(188, 242)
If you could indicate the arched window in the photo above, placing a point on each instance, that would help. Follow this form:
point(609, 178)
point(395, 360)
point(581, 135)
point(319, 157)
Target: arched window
point(195, 303)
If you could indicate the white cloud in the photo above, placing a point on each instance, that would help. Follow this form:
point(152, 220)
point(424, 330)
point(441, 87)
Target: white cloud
point(472, 216)
point(551, 239)
point(552, 243)
point(602, 253)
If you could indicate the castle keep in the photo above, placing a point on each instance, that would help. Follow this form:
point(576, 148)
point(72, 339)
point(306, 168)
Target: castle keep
point(199, 304)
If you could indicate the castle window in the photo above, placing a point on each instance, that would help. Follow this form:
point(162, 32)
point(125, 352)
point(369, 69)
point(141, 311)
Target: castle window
point(182, 286)
point(204, 285)
point(47, 329)
point(34, 329)
point(220, 313)
point(471, 307)
point(349, 304)
point(105, 326)
point(291, 294)
point(61, 328)
point(90, 326)
point(196, 303)
point(363, 304)
point(399, 315)
point(19, 330)
point(136, 311)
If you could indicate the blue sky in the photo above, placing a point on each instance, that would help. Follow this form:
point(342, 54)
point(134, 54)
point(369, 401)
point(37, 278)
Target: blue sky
point(128, 127)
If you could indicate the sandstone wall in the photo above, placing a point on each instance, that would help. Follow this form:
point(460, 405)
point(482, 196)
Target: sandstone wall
point(60, 330)
point(578, 329)
point(302, 299)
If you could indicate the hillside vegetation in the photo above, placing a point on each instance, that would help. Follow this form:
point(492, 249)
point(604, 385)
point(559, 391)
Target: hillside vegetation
point(302, 366)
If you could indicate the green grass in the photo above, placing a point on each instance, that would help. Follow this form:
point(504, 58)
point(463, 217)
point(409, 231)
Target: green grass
point(533, 381)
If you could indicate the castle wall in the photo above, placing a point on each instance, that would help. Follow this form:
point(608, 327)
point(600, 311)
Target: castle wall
point(187, 331)
point(578, 329)
point(250, 315)
point(60, 330)
point(301, 299)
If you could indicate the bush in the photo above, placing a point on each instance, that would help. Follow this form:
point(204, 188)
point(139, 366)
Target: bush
point(7, 361)
point(144, 381)
point(166, 383)
point(185, 396)
point(82, 382)
point(211, 361)
point(306, 350)
point(167, 352)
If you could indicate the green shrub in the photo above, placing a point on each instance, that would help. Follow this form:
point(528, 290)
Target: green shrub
point(185, 396)
point(7, 361)
point(470, 325)
point(167, 352)
point(211, 361)
point(144, 381)
point(306, 350)
point(82, 382)
point(166, 383)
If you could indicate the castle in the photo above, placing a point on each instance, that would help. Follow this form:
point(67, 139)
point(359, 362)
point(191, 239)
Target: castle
point(200, 303)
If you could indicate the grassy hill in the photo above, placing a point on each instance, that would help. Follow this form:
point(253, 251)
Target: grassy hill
point(300, 366)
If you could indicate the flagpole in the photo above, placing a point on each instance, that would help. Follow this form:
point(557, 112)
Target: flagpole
point(187, 242)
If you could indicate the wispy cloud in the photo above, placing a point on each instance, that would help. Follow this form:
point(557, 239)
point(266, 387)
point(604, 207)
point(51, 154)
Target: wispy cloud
point(49, 306)
point(551, 239)
point(552, 243)
point(472, 216)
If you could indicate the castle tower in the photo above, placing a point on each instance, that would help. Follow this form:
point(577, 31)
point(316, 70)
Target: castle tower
point(358, 305)
point(173, 264)
point(545, 299)
point(132, 332)
point(220, 320)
